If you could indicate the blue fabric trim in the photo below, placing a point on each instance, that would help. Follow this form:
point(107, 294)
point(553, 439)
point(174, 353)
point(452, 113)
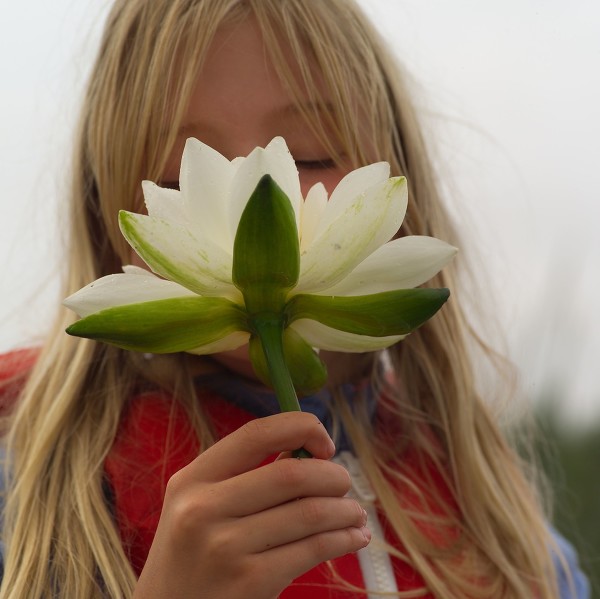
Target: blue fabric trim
point(262, 402)
point(572, 584)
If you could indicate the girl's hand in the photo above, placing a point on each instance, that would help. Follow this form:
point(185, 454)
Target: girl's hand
point(230, 529)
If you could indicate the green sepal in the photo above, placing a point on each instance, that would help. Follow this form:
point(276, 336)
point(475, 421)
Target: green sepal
point(378, 315)
point(306, 370)
point(163, 326)
point(266, 250)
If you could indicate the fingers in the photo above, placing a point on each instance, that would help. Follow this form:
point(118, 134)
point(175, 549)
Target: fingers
point(297, 520)
point(227, 524)
point(250, 445)
point(292, 560)
point(278, 483)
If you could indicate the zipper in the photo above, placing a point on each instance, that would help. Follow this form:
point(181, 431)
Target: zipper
point(374, 560)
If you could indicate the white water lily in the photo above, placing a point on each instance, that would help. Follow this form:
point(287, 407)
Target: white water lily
point(239, 256)
point(187, 239)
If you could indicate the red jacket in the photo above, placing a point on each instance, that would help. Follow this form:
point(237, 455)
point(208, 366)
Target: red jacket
point(137, 473)
point(138, 476)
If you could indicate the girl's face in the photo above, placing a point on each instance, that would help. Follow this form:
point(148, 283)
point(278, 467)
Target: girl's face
point(239, 103)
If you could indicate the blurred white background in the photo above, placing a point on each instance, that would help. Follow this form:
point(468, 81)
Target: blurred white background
point(509, 91)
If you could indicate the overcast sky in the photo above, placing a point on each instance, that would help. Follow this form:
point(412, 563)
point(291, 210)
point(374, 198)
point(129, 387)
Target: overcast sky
point(509, 91)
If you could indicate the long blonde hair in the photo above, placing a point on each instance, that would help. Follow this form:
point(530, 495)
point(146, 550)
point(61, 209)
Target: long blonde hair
point(60, 534)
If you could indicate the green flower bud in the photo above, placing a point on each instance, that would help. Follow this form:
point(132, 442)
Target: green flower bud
point(266, 252)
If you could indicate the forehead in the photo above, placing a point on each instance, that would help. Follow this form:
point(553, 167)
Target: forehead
point(238, 89)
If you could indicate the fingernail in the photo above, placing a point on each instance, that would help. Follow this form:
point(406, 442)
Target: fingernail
point(364, 514)
point(366, 533)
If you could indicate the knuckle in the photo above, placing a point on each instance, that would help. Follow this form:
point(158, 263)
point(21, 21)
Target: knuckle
point(185, 515)
point(259, 579)
point(222, 545)
point(256, 428)
point(290, 473)
point(312, 511)
point(322, 546)
point(251, 570)
point(175, 484)
point(190, 513)
point(256, 431)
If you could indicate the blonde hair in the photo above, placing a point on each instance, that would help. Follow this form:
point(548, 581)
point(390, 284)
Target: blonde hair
point(60, 534)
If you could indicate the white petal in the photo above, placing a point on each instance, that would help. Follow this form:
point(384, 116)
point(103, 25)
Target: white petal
point(274, 160)
point(205, 181)
point(174, 253)
point(366, 224)
point(400, 264)
point(231, 341)
point(324, 337)
point(311, 213)
point(284, 171)
point(122, 289)
point(352, 185)
point(164, 203)
point(131, 269)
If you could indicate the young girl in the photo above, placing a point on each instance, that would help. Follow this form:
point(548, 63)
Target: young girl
point(151, 476)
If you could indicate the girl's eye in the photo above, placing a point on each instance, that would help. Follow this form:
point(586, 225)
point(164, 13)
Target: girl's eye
point(325, 163)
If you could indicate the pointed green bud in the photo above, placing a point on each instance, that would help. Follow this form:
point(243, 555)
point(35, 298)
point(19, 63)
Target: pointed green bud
point(266, 250)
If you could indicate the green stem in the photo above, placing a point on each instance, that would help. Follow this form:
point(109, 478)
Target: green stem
point(270, 332)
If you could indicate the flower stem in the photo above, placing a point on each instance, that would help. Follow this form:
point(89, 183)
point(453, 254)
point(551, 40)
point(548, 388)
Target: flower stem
point(270, 332)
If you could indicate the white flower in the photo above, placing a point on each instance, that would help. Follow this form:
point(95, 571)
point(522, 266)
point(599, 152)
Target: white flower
point(187, 239)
